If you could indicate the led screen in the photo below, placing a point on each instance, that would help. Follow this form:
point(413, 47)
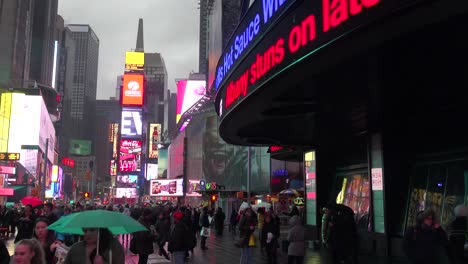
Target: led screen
point(188, 93)
point(134, 61)
point(113, 168)
point(167, 187)
point(127, 181)
point(131, 123)
point(151, 171)
point(176, 157)
point(130, 155)
point(30, 124)
point(193, 188)
point(126, 192)
point(132, 90)
point(154, 140)
point(80, 147)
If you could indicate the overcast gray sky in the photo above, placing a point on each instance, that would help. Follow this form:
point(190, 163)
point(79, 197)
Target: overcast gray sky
point(170, 28)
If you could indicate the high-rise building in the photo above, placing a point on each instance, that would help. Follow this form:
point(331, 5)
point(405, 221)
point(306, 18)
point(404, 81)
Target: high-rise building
point(107, 112)
point(65, 73)
point(43, 39)
point(117, 87)
point(83, 92)
point(156, 89)
point(16, 20)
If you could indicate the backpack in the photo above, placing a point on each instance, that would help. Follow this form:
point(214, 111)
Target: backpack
point(191, 241)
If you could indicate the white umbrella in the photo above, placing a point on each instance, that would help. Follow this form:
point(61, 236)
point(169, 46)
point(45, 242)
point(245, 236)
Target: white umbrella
point(243, 206)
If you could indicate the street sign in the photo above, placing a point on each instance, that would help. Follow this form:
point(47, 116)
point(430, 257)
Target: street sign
point(5, 156)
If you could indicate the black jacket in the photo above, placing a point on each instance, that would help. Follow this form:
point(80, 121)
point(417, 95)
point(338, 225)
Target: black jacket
point(144, 239)
point(179, 238)
point(4, 254)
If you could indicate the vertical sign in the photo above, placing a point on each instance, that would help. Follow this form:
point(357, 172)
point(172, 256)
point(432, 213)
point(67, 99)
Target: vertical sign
point(311, 188)
point(154, 140)
point(377, 183)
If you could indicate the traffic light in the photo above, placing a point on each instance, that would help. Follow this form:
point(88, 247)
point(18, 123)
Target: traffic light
point(86, 194)
point(214, 198)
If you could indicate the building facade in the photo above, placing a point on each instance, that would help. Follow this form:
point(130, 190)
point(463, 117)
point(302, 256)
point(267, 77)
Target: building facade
point(82, 97)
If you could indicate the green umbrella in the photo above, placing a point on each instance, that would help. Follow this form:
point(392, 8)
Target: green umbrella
point(116, 222)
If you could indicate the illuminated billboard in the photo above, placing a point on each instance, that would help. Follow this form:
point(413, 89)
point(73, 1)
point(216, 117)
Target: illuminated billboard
point(5, 111)
point(115, 139)
point(131, 123)
point(151, 171)
point(130, 155)
point(80, 147)
point(55, 173)
point(132, 90)
point(188, 93)
point(113, 168)
point(126, 192)
point(154, 140)
point(30, 124)
point(127, 181)
point(167, 187)
point(134, 61)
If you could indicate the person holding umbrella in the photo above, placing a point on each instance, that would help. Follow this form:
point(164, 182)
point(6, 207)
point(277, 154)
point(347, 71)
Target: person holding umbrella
point(97, 247)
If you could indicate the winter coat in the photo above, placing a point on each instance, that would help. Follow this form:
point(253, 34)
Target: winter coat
point(244, 228)
point(163, 229)
point(296, 237)
point(273, 228)
point(426, 245)
point(179, 238)
point(144, 239)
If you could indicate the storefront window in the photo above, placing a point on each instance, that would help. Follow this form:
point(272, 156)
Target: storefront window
point(439, 187)
point(355, 194)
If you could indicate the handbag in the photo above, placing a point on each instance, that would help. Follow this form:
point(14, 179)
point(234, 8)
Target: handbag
point(252, 240)
point(206, 231)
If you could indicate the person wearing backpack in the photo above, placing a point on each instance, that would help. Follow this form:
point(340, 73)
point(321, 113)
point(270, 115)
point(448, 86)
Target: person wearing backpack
point(342, 234)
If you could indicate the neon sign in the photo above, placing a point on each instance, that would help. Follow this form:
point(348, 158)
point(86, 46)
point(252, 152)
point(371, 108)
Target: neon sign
point(261, 15)
point(298, 31)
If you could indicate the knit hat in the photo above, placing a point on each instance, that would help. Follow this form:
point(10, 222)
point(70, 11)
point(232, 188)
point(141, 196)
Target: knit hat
point(178, 215)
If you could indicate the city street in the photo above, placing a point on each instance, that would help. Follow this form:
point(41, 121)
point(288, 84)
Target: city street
point(222, 250)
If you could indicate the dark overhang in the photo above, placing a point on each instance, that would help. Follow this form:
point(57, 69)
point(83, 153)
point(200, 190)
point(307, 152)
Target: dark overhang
point(280, 104)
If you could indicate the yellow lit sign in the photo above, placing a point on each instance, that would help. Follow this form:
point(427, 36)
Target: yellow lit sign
point(5, 112)
point(134, 61)
point(9, 156)
point(55, 173)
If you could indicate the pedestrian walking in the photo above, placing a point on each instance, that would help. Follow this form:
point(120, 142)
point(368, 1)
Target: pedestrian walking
point(26, 224)
point(144, 239)
point(247, 225)
point(219, 218)
point(4, 254)
point(296, 248)
point(269, 238)
point(181, 239)
point(233, 222)
point(426, 242)
point(205, 228)
point(162, 227)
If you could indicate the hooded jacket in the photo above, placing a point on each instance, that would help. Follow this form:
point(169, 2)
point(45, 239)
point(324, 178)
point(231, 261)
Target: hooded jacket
point(296, 237)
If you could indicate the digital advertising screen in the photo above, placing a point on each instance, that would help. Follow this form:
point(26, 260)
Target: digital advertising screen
point(131, 123)
point(130, 155)
point(151, 171)
point(132, 90)
point(134, 61)
point(167, 187)
point(127, 181)
point(113, 167)
point(126, 192)
point(154, 140)
point(80, 147)
point(188, 93)
point(193, 188)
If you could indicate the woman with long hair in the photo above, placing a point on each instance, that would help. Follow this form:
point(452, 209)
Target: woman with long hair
point(29, 251)
point(46, 238)
point(86, 251)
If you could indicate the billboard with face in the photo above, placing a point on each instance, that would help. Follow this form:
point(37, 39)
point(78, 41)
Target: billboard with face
point(167, 187)
point(216, 161)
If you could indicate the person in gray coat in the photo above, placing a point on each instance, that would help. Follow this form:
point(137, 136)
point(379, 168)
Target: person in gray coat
point(296, 248)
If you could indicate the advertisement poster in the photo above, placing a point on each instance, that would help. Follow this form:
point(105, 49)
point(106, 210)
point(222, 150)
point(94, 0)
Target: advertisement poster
point(132, 90)
point(127, 181)
point(188, 93)
point(130, 155)
point(154, 140)
point(167, 187)
point(80, 147)
point(126, 192)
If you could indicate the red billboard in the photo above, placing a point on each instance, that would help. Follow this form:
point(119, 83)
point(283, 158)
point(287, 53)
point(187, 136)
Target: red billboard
point(130, 155)
point(132, 90)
